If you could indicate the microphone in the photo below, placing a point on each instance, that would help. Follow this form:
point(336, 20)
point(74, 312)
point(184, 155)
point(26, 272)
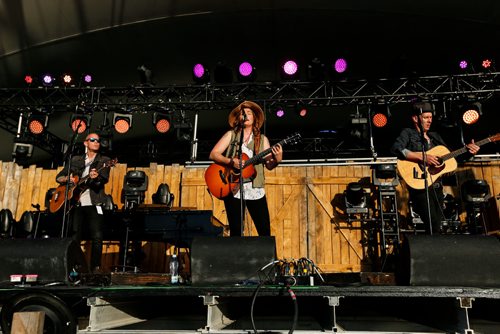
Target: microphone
point(243, 115)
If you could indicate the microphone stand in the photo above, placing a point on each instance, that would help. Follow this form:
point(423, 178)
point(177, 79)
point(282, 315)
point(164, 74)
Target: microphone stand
point(240, 156)
point(68, 158)
point(424, 161)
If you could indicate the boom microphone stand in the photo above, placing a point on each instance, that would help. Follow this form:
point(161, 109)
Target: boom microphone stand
point(424, 175)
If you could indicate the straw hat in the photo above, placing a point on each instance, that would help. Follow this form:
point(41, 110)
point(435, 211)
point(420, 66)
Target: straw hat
point(257, 112)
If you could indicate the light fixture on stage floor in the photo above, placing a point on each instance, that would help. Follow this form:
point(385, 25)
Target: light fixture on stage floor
point(163, 195)
point(476, 194)
point(80, 122)
point(122, 122)
point(201, 74)
point(162, 122)
point(6, 223)
point(290, 69)
point(471, 112)
point(356, 200)
point(135, 184)
point(246, 72)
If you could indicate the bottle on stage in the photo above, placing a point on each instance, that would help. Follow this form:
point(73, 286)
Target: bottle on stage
point(174, 269)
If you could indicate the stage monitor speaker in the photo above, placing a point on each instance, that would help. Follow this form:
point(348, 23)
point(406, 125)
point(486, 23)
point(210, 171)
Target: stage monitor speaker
point(229, 260)
point(450, 260)
point(52, 259)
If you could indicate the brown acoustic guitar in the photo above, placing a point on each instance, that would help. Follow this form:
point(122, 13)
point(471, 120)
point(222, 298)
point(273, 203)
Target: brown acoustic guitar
point(222, 180)
point(75, 189)
point(413, 172)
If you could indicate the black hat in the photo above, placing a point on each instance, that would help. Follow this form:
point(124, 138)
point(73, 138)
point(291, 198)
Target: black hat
point(421, 107)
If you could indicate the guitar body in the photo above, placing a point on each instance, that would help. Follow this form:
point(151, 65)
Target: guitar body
point(222, 180)
point(57, 200)
point(412, 172)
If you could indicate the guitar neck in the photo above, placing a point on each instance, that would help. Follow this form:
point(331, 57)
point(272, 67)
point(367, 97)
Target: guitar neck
point(257, 157)
point(464, 149)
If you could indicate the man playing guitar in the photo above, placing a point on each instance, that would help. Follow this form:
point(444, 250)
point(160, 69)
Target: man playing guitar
point(88, 212)
point(408, 146)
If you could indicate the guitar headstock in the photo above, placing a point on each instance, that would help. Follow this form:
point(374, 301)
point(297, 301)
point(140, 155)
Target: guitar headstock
point(495, 137)
point(293, 139)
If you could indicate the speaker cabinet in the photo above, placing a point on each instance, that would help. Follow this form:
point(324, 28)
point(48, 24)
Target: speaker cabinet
point(52, 259)
point(219, 260)
point(450, 260)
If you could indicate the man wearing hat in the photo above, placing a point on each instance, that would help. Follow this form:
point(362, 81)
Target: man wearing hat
point(408, 146)
point(247, 119)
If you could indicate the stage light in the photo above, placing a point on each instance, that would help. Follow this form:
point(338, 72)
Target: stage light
point(356, 201)
point(301, 109)
point(122, 122)
point(163, 195)
point(67, 79)
point(87, 78)
point(463, 64)
point(135, 185)
point(145, 75)
point(28, 79)
point(290, 69)
point(340, 65)
point(487, 63)
point(280, 112)
point(22, 150)
point(37, 123)
point(162, 122)
point(246, 72)
point(200, 73)
point(48, 80)
point(380, 115)
point(471, 113)
point(79, 122)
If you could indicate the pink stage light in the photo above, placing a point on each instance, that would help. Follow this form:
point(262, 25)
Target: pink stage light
point(245, 69)
point(290, 67)
point(340, 65)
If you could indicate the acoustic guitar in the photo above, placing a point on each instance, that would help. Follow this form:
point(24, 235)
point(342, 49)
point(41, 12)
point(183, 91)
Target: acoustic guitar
point(222, 180)
point(413, 172)
point(75, 189)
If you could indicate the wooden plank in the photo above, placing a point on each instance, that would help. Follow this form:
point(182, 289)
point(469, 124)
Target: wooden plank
point(28, 322)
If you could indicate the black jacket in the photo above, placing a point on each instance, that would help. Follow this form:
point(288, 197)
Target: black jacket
point(410, 139)
point(96, 186)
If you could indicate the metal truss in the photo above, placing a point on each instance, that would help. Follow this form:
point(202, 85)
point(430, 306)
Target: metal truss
point(480, 86)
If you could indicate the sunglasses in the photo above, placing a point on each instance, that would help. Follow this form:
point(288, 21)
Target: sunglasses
point(93, 140)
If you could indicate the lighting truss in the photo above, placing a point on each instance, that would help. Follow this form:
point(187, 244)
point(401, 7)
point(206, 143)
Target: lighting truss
point(224, 96)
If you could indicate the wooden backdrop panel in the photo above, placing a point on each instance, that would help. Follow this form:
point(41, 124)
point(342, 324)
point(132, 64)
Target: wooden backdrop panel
point(303, 219)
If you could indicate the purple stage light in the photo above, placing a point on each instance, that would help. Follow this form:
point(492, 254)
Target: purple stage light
point(245, 69)
point(340, 65)
point(47, 79)
point(199, 71)
point(290, 67)
point(463, 64)
point(280, 112)
point(87, 78)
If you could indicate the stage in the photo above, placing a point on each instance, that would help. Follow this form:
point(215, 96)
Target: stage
point(344, 306)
